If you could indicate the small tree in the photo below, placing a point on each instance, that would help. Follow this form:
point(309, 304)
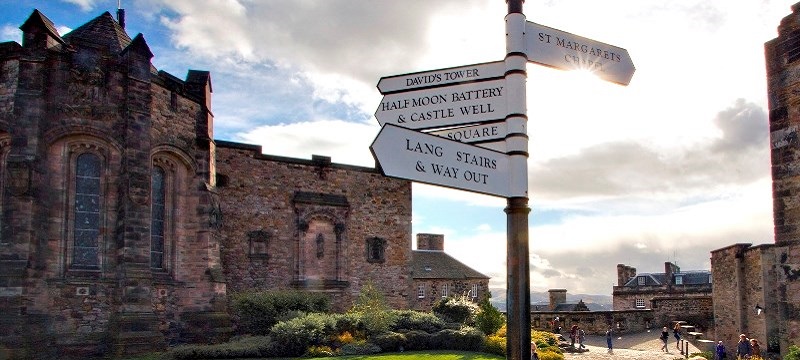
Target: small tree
point(371, 307)
point(489, 319)
point(457, 309)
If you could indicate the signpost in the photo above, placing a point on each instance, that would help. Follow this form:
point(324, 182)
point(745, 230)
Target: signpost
point(565, 51)
point(432, 78)
point(420, 157)
point(474, 133)
point(475, 118)
point(457, 104)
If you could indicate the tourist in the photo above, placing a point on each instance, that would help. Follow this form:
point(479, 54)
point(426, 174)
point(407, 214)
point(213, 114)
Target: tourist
point(743, 348)
point(534, 355)
point(755, 349)
point(609, 336)
point(581, 338)
point(720, 351)
point(664, 338)
point(676, 330)
point(573, 333)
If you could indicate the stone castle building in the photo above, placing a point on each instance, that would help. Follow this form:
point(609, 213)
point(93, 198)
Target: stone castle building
point(757, 288)
point(125, 225)
point(436, 275)
point(673, 295)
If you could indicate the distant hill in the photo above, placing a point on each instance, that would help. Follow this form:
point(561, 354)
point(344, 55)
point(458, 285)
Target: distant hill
point(593, 302)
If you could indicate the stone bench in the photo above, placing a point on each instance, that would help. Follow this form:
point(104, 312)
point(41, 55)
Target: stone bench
point(694, 335)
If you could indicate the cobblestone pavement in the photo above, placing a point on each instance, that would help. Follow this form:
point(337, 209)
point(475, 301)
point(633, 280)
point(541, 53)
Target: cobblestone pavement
point(640, 346)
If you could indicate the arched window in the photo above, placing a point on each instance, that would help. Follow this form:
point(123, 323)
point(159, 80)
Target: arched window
point(86, 238)
point(158, 219)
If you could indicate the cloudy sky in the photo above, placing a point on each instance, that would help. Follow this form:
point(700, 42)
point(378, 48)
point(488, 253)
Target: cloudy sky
point(666, 169)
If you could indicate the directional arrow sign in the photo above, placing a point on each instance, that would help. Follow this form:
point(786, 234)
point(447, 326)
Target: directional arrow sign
point(416, 156)
point(565, 51)
point(424, 79)
point(475, 133)
point(445, 106)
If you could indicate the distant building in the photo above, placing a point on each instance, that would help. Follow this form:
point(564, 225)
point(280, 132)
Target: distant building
point(672, 294)
point(756, 288)
point(558, 302)
point(436, 275)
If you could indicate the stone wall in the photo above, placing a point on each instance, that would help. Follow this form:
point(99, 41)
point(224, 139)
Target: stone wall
point(304, 224)
point(596, 322)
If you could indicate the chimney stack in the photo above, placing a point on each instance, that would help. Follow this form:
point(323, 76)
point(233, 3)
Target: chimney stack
point(120, 14)
point(430, 242)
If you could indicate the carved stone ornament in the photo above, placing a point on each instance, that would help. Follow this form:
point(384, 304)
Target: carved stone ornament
point(215, 215)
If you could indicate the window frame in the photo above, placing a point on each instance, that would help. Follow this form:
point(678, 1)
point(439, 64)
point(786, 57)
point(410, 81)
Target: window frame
point(474, 291)
point(641, 280)
point(445, 292)
point(639, 303)
point(421, 291)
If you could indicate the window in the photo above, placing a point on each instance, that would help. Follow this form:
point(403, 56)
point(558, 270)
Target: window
point(639, 303)
point(474, 291)
point(259, 242)
point(641, 280)
point(86, 236)
point(678, 279)
point(444, 291)
point(158, 218)
point(421, 292)
point(375, 250)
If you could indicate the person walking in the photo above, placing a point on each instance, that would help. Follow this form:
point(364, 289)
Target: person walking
point(755, 349)
point(743, 348)
point(664, 338)
point(609, 336)
point(581, 338)
point(720, 351)
point(573, 333)
point(676, 331)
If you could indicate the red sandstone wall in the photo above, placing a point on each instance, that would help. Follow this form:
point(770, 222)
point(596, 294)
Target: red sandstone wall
point(258, 196)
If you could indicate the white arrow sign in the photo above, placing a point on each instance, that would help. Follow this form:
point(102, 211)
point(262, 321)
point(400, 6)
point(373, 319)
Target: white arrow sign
point(445, 106)
point(565, 51)
point(475, 133)
point(424, 79)
point(416, 156)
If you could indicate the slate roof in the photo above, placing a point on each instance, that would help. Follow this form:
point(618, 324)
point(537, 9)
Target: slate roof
point(434, 264)
point(698, 277)
point(103, 30)
point(38, 19)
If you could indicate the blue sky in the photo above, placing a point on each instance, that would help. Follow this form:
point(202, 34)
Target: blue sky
point(670, 167)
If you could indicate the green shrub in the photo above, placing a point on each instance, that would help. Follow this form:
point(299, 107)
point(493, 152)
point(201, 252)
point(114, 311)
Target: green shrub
point(418, 340)
point(294, 337)
point(793, 354)
point(705, 354)
point(319, 351)
point(466, 339)
point(257, 312)
point(550, 355)
point(407, 320)
point(495, 344)
point(371, 307)
point(456, 310)
point(390, 341)
point(255, 346)
point(489, 319)
point(360, 347)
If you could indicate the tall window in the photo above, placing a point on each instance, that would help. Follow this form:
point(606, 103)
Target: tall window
point(474, 291)
point(86, 242)
point(158, 217)
point(444, 290)
point(421, 291)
